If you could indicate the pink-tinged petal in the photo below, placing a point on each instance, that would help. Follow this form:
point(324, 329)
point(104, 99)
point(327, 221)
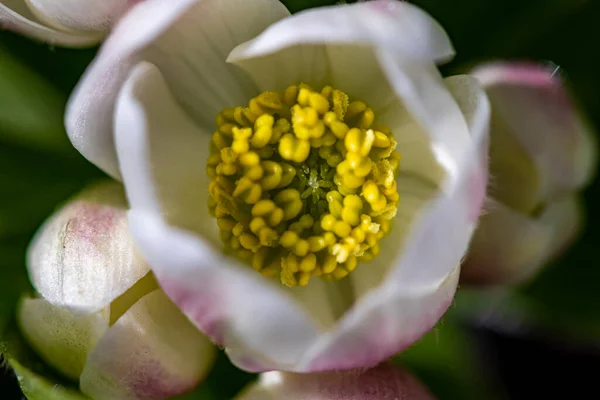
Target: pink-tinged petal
point(60, 337)
point(385, 322)
point(260, 325)
point(83, 257)
point(456, 209)
point(384, 382)
point(420, 283)
point(151, 352)
point(16, 16)
point(531, 102)
point(78, 15)
point(189, 41)
point(509, 247)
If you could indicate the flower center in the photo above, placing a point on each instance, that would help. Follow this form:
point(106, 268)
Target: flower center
point(302, 184)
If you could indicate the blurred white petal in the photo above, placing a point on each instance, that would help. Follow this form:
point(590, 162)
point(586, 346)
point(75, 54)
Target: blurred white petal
point(531, 103)
point(16, 16)
point(80, 15)
point(510, 247)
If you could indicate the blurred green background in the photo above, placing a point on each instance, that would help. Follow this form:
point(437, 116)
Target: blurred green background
point(39, 169)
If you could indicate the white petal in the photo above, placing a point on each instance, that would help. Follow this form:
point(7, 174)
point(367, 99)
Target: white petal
point(60, 337)
point(382, 52)
point(151, 352)
point(78, 15)
point(509, 247)
point(337, 45)
point(397, 26)
point(162, 153)
point(260, 325)
point(423, 272)
point(385, 382)
point(532, 103)
point(383, 323)
point(417, 194)
point(83, 257)
point(189, 41)
point(448, 224)
point(15, 16)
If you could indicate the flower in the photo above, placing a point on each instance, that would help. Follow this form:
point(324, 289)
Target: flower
point(145, 112)
point(63, 22)
point(99, 316)
point(542, 154)
point(384, 382)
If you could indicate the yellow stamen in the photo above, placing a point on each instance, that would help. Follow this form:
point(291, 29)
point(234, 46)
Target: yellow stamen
point(303, 183)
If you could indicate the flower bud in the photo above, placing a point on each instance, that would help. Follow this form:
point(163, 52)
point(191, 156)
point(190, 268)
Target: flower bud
point(384, 382)
point(72, 23)
point(542, 154)
point(101, 318)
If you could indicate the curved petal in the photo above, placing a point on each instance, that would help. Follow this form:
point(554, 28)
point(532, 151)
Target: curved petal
point(395, 45)
point(384, 322)
point(261, 327)
point(420, 283)
point(531, 102)
point(509, 247)
point(189, 41)
point(61, 338)
point(162, 153)
point(15, 16)
point(77, 15)
point(417, 195)
point(83, 257)
point(384, 382)
point(397, 26)
point(151, 352)
point(335, 45)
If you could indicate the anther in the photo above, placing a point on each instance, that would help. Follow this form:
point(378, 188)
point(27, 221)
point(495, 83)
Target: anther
point(302, 183)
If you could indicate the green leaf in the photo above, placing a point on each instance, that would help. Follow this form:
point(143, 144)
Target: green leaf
point(60, 66)
point(35, 379)
point(445, 360)
point(37, 387)
point(31, 109)
point(32, 184)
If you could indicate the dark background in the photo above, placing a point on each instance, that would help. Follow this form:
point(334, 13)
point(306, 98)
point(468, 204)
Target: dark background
point(550, 351)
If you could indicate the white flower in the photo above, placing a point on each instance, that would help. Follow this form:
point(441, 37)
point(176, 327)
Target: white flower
point(100, 317)
point(70, 23)
point(145, 111)
point(384, 382)
point(542, 154)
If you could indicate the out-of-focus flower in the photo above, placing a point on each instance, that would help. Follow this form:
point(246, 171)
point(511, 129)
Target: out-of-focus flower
point(301, 180)
point(542, 154)
point(99, 316)
point(384, 382)
point(70, 23)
